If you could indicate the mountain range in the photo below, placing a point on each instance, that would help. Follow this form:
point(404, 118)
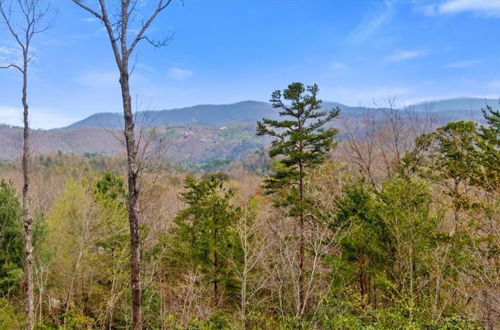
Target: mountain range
point(201, 133)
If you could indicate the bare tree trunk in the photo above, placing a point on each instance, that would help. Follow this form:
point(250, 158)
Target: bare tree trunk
point(301, 308)
point(133, 194)
point(244, 301)
point(27, 220)
point(117, 27)
point(22, 28)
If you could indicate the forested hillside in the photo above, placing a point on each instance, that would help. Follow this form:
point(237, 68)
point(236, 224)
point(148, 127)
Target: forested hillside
point(202, 135)
point(400, 230)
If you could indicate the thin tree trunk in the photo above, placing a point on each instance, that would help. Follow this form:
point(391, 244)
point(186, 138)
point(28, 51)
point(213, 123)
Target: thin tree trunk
point(28, 221)
point(301, 243)
point(362, 277)
point(216, 281)
point(133, 194)
point(244, 277)
point(244, 302)
point(216, 271)
point(118, 28)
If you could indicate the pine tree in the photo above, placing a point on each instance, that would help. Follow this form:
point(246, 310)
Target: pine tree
point(366, 249)
point(203, 232)
point(300, 143)
point(490, 150)
point(11, 239)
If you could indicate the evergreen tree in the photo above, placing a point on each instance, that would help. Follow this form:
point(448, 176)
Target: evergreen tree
point(450, 151)
point(11, 239)
point(462, 158)
point(203, 232)
point(490, 150)
point(462, 151)
point(300, 143)
point(366, 250)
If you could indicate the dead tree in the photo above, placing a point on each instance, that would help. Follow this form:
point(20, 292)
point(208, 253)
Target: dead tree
point(118, 27)
point(24, 19)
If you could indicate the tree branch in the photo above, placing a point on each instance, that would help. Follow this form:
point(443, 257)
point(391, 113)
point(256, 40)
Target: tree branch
point(8, 23)
point(80, 4)
point(12, 66)
point(161, 6)
point(109, 29)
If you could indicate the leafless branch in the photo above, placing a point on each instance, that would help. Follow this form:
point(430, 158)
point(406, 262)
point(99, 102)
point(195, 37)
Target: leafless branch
point(12, 66)
point(160, 7)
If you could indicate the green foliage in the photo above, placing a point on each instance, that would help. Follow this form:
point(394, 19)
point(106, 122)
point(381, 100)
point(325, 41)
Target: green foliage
point(489, 147)
point(367, 247)
point(214, 165)
point(11, 240)
point(110, 186)
point(349, 312)
point(300, 141)
point(10, 317)
point(450, 151)
point(88, 246)
point(236, 133)
point(391, 238)
point(202, 235)
point(218, 320)
point(221, 176)
point(75, 321)
point(461, 151)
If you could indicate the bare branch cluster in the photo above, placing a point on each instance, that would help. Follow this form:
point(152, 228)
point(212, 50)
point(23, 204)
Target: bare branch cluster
point(118, 25)
point(24, 19)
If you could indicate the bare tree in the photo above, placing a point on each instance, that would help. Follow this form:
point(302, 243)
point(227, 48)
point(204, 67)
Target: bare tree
point(249, 229)
point(24, 19)
point(118, 27)
point(378, 140)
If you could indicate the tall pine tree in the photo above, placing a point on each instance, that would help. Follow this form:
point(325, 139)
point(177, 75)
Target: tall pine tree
point(301, 142)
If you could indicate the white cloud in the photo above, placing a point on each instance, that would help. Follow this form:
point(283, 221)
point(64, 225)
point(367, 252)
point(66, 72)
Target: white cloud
point(337, 66)
point(8, 50)
point(404, 55)
point(10, 55)
point(90, 19)
point(369, 25)
point(39, 118)
point(10, 116)
point(487, 8)
point(99, 32)
point(179, 74)
point(461, 64)
point(98, 79)
point(427, 10)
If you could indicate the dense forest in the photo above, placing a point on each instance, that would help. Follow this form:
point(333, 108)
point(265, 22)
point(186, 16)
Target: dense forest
point(388, 229)
point(386, 220)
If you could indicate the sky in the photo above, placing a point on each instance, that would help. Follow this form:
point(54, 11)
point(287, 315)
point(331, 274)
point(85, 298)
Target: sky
point(359, 52)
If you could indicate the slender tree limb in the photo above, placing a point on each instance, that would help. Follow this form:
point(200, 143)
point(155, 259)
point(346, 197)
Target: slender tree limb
point(161, 6)
point(12, 66)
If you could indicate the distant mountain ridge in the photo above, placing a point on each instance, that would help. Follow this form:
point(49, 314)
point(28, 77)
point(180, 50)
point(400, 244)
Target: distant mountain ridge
point(209, 114)
point(201, 134)
point(252, 111)
point(457, 103)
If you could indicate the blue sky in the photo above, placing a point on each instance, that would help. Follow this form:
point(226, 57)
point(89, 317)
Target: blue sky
point(359, 52)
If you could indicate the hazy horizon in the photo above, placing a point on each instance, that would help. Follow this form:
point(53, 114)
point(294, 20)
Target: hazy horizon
point(359, 53)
